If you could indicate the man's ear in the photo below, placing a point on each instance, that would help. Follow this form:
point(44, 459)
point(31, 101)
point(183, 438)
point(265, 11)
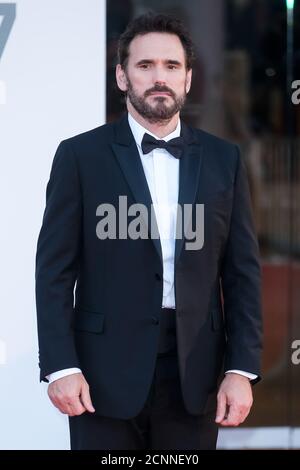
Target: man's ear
point(121, 78)
point(188, 81)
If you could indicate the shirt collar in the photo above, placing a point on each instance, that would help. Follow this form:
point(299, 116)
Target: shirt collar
point(138, 131)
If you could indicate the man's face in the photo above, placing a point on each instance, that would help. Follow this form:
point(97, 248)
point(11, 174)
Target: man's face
point(156, 78)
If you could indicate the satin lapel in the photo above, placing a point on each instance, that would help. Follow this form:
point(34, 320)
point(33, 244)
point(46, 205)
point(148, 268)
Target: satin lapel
point(189, 173)
point(129, 160)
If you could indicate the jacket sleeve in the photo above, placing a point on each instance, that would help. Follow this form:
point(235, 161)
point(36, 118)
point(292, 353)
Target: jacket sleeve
point(57, 264)
point(241, 282)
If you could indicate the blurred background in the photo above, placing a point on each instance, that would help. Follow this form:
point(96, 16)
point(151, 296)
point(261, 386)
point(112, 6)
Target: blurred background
point(57, 79)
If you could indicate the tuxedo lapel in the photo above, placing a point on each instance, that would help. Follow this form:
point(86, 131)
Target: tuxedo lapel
point(129, 160)
point(189, 172)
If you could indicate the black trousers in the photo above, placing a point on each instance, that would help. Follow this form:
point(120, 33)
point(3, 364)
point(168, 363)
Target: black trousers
point(163, 423)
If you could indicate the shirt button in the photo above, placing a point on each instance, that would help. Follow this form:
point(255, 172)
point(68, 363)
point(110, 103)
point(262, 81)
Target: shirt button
point(157, 277)
point(155, 320)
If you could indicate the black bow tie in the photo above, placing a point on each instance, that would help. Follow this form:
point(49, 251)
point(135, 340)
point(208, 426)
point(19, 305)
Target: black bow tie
point(173, 146)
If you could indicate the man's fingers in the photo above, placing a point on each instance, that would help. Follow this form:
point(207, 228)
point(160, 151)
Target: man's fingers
point(86, 399)
point(70, 394)
point(76, 406)
point(236, 415)
point(62, 407)
point(235, 390)
point(69, 406)
point(221, 408)
point(233, 417)
point(67, 409)
point(245, 414)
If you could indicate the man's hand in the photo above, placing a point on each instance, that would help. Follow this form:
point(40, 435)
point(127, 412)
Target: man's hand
point(71, 395)
point(234, 400)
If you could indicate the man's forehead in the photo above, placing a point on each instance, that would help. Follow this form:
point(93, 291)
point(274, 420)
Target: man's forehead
point(157, 46)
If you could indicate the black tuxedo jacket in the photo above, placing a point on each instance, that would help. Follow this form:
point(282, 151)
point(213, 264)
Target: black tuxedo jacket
point(111, 329)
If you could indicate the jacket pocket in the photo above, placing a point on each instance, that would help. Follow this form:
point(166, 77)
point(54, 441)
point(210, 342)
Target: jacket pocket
point(86, 320)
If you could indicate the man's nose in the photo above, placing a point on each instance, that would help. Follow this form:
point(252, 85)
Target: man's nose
point(159, 76)
point(160, 82)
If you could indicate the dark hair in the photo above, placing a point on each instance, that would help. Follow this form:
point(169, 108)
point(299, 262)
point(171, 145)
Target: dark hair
point(155, 23)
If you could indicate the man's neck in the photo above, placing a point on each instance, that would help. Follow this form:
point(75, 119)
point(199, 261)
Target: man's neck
point(160, 129)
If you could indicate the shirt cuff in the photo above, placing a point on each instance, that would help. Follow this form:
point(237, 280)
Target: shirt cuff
point(242, 372)
point(62, 373)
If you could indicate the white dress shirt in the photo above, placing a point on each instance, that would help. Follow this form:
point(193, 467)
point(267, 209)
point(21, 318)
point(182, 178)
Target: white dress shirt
point(162, 174)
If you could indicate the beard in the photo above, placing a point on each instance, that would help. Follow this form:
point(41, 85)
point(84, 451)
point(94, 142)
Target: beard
point(160, 111)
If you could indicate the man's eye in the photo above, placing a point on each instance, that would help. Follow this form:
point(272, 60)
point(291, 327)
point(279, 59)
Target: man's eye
point(172, 67)
point(144, 66)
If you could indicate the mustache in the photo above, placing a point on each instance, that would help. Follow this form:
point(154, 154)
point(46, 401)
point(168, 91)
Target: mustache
point(160, 88)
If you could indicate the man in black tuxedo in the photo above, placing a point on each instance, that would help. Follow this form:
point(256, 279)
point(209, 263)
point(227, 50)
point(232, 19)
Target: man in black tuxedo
point(164, 337)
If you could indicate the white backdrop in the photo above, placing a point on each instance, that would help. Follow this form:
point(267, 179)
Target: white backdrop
point(52, 86)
